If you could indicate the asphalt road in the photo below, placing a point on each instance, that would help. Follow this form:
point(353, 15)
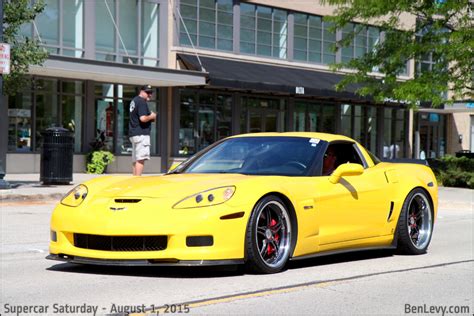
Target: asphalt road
point(371, 282)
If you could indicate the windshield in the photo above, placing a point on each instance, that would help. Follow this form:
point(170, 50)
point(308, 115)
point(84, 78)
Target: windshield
point(289, 156)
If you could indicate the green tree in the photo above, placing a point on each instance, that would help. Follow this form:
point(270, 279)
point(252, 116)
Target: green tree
point(25, 51)
point(444, 29)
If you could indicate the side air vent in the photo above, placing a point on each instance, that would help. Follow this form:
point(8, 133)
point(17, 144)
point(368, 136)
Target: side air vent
point(127, 200)
point(391, 211)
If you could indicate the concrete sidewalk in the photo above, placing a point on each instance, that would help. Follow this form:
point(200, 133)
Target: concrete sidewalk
point(27, 187)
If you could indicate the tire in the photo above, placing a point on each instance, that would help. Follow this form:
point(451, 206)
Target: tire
point(268, 241)
point(415, 224)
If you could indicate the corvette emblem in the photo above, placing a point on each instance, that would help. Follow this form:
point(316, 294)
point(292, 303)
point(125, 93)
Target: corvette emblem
point(117, 208)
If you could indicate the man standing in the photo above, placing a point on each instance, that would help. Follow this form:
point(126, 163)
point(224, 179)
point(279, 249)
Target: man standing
point(139, 128)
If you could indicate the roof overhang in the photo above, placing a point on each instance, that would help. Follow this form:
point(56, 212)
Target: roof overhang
point(250, 76)
point(84, 69)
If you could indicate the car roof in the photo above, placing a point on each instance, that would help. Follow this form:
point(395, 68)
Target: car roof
point(323, 136)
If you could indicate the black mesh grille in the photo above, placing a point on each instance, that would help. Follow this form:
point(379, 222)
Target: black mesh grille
point(120, 243)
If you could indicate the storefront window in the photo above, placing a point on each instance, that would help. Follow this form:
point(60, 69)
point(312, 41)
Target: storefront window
point(205, 117)
point(112, 116)
point(346, 120)
point(432, 129)
point(394, 133)
point(56, 103)
point(313, 117)
point(20, 125)
point(263, 115)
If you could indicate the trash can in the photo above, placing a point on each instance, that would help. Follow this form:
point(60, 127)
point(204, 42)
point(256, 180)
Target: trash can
point(56, 156)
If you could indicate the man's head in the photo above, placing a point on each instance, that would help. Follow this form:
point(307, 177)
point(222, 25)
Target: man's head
point(146, 91)
point(329, 162)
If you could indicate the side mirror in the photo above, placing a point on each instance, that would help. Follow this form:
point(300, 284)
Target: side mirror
point(347, 169)
point(174, 165)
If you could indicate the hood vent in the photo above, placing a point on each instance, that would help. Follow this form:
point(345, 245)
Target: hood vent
point(127, 200)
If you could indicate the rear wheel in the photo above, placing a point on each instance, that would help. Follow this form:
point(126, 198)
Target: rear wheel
point(415, 225)
point(269, 235)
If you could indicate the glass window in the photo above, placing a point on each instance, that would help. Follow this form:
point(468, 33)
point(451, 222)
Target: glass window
point(263, 115)
point(128, 31)
point(364, 39)
point(258, 155)
point(371, 143)
point(20, 125)
point(314, 117)
point(209, 24)
point(73, 26)
point(48, 23)
point(205, 117)
point(311, 36)
point(264, 31)
point(138, 38)
point(105, 31)
point(394, 133)
point(57, 104)
point(346, 119)
point(187, 130)
point(112, 115)
point(59, 28)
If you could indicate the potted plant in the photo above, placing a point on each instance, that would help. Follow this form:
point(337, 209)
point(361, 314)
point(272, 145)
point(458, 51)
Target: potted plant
point(99, 157)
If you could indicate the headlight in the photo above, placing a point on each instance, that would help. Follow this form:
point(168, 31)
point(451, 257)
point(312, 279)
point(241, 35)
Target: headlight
point(75, 196)
point(207, 198)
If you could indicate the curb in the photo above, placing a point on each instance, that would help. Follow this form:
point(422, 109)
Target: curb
point(30, 197)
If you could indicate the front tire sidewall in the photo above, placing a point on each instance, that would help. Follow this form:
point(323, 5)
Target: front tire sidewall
point(254, 262)
point(405, 244)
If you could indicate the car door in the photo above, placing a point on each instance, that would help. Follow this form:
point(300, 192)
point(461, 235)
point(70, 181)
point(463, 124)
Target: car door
point(356, 207)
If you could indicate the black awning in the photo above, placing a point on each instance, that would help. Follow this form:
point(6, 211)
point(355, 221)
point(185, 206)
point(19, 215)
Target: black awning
point(266, 78)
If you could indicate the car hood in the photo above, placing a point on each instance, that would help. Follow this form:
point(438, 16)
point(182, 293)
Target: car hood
point(168, 185)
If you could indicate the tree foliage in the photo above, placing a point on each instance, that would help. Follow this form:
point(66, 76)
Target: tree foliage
point(444, 29)
point(25, 51)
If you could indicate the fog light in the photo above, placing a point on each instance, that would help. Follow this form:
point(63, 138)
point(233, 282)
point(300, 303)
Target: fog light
point(54, 236)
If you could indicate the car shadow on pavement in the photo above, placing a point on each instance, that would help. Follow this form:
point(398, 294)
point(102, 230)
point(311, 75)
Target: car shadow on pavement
point(193, 272)
point(340, 258)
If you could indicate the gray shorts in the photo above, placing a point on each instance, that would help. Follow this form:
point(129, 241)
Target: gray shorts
point(140, 147)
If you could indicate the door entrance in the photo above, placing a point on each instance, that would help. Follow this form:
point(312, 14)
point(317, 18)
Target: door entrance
point(263, 120)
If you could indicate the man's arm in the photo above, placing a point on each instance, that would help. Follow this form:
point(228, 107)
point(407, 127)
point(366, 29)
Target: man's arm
point(148, 118)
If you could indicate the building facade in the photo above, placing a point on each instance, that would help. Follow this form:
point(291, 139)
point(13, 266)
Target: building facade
point(220, 67)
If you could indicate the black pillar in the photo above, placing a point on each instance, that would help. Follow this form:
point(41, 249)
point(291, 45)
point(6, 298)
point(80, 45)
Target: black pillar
point(3, 120)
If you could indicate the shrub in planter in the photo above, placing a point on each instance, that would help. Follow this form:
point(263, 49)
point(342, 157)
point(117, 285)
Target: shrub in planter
point(452, 171)
point(97, 161)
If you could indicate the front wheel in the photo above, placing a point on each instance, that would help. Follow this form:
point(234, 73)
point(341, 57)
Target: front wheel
point(415, 225)
point(269, 235)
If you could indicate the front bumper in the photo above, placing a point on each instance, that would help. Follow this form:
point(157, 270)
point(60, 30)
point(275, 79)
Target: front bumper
point(151, 218)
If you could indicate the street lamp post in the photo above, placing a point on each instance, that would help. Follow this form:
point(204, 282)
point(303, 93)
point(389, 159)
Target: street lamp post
point(3, 119)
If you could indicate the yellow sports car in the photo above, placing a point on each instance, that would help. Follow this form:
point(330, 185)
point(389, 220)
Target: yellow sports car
point(255, 199)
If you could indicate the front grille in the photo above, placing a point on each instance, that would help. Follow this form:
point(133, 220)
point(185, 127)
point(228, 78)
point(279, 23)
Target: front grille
point(120, 243)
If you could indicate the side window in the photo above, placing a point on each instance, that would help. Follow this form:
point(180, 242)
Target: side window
point(339, 153)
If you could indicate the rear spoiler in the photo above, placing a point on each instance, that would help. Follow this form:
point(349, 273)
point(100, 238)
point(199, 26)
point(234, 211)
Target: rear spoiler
point(407, 160)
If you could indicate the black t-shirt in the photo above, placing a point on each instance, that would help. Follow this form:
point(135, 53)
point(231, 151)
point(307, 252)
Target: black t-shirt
point(138, 107)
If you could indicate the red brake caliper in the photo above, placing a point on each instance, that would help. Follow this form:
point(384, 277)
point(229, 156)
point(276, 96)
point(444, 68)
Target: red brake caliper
point(270, 248)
